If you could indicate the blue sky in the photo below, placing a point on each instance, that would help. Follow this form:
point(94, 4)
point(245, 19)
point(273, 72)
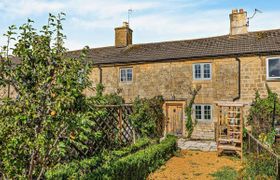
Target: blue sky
point(92, 22)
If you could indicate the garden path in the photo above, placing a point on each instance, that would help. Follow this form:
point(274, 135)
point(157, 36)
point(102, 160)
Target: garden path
point(194, 165)
point(186, 144)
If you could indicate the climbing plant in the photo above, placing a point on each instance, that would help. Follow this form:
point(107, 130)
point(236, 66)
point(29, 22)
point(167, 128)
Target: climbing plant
point(148, 116)
point(188, 110)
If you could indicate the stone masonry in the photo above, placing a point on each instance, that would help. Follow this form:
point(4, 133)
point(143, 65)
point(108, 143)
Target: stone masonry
point(185, 144)
point(203, 131)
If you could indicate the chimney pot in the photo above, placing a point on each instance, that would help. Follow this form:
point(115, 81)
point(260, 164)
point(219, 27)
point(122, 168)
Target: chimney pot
point(125, 24)
point(241, 10)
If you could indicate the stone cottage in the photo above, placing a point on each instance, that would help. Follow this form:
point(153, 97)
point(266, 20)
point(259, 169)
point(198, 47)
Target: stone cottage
point(229, 68)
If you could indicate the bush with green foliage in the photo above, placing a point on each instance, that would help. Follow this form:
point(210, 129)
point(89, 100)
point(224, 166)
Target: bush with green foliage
point(80, 168)
point(261, 113)
point(148, 116)
point(139, 164)
point(107, 99)
point(261, 166)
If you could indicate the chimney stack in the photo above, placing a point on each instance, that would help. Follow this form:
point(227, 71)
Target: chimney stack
point(123, 35)
point(238, 22)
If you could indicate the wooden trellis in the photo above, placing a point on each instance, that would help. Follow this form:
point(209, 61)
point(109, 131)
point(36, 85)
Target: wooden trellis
point(113, 123)
point(229, 128)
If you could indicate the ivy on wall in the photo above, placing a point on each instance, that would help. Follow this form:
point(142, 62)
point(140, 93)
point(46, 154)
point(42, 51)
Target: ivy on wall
point(188, 110)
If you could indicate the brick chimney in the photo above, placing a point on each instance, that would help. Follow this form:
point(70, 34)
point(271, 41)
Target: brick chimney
point(123, 35)
point(238, 22)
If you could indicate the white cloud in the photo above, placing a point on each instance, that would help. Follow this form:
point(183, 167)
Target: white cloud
point(17, 8)
point(152, 20)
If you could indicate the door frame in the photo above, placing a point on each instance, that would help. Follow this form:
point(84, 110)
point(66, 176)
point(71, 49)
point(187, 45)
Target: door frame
point(165, 109)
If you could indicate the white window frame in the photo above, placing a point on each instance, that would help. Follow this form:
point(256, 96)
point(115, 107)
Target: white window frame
point(125, 69)
point(267, 69)
point(202, 71)
point(202, 112)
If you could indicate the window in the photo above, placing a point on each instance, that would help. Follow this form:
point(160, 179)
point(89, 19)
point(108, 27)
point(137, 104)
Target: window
point(126, 74)
point(273, 68)
point(202, 71)
point(203, 112)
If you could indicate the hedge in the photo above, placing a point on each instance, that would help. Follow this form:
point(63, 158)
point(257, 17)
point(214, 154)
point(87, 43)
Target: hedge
point(139, 164)
point(77, 169)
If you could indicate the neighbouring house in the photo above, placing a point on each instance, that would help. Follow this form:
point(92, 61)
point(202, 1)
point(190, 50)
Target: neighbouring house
point(229, 68)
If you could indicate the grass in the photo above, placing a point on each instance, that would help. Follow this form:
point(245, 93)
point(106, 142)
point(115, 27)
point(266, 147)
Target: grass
point(226, 172)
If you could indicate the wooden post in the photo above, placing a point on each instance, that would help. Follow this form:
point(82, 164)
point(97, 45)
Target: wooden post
point(133, 136)
point(249, 142)
point(120, 123)
point(277, 168)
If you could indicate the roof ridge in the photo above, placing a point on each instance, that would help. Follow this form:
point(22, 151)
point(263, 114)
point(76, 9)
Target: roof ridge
point(183, 40)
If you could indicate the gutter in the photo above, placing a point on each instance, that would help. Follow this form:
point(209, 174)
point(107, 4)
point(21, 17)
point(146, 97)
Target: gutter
point(239, 80)
point(164, 60)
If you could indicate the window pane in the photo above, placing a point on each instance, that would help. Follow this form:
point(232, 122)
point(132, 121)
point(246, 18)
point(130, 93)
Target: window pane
point(197, 72)
point(207, 71)
point(129, 74)
point(123, 75)
point(198, 112)
point(274, 68)
point(207, 112)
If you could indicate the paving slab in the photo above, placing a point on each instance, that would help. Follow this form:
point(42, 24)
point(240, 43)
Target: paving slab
point(201, 145)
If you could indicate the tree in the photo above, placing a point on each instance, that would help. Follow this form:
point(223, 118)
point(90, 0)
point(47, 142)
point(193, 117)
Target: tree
point(46, 116)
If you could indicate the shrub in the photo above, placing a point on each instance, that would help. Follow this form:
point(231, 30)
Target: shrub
point(77, 168)
point(148, 116)
point(139, 164)
point(261, 113)
point(261, 165)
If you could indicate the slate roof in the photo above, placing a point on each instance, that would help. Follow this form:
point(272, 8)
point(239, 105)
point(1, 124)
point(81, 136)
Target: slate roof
point(260, 42)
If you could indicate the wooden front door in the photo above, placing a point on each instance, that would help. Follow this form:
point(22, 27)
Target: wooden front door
point(174, 114)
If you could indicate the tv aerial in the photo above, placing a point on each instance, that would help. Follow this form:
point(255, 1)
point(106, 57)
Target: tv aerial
point(255, 12)
point(129, 13)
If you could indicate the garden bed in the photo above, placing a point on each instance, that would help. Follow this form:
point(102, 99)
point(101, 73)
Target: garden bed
point(136, 161)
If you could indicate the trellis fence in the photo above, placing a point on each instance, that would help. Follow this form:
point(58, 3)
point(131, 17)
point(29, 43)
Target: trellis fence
point(112, 121)
point(253, 145)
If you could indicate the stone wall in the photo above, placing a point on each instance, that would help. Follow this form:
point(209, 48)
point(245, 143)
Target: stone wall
point(175, 78)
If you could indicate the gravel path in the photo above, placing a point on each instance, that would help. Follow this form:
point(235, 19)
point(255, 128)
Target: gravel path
point(194, 165)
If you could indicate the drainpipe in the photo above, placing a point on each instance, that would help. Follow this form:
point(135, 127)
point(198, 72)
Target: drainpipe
point(239, 79)
point(100, 74)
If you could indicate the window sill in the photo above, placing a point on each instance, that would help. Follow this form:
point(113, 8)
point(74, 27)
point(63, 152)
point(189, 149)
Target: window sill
point(202, 80)
point(126, 83)
point(204, 121)
point(273, 80)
